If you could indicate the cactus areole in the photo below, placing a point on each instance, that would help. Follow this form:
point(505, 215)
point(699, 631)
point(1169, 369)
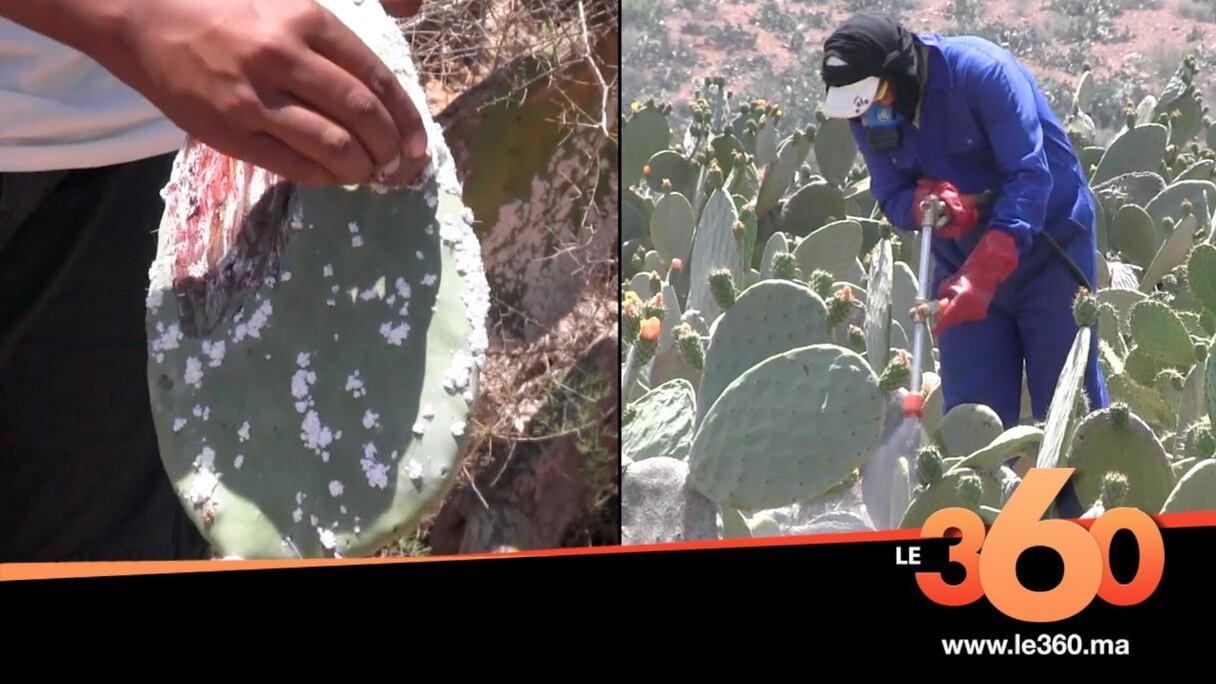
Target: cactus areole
point(314, 353)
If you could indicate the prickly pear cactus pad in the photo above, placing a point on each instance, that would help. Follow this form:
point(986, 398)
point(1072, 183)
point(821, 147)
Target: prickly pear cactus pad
point(747, 455)
point(314, 353)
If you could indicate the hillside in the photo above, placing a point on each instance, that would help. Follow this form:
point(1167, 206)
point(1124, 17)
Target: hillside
point(772, 48)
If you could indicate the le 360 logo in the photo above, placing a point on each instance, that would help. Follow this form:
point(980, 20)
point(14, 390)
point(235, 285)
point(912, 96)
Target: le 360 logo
point(990, 559)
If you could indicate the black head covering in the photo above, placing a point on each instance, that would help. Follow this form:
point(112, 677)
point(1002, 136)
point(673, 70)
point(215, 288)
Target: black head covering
point(871, 45)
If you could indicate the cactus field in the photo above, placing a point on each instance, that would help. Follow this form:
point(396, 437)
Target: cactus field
point(766, 336)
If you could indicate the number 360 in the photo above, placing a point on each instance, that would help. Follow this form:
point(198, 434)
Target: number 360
point(1086, 555)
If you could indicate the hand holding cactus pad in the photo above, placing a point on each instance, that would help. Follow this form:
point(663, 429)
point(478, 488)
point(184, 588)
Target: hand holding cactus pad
point(314, 353)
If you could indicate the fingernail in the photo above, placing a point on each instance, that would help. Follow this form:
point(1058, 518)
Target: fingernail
point(416, 145)
point(389, 169)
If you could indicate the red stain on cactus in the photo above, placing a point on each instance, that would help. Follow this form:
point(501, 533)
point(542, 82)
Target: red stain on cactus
point(229, 237)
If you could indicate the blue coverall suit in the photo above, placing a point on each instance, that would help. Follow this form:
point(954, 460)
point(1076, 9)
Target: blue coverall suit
point(985, 125)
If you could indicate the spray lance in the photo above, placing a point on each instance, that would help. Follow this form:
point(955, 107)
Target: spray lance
point(934, 216)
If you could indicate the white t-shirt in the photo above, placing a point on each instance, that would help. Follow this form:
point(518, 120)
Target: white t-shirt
point(59, 109)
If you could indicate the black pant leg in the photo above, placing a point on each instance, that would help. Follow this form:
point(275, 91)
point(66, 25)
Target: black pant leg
point(80, 473)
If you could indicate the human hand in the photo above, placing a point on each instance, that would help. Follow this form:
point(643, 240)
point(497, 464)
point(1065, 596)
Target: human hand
point(284, 85)
point(959, 208)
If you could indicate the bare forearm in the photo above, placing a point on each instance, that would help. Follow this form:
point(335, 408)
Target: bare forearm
point(86, 25)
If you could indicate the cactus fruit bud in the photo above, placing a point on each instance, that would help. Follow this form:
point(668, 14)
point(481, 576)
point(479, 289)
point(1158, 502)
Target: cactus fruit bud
point(1118, 415)
point(857, 339)
point(929, 465)
point(1085, 308)
point(897, 372)
point(1201, 351)
point(631, 316)
point(821, 283)
point(739, 230)
point(666, 184)
point(656, 285)
point(839, 307)
point(1167, 224)
point(1114, 490)
point(722, 287)
point(648, 341)
point(713, 180)
point(1187, 207)
point(970, 490)
point(1193, 148)
point(646, 170)
point(1129, 117)
point(785, 266)
point(1086, 68)
point(677, 265)
point(692, 349)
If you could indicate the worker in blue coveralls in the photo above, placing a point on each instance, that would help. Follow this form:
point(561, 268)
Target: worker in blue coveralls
point(957, 116)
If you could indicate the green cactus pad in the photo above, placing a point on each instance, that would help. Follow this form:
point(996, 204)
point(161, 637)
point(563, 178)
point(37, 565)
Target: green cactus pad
point(313, 365)
point(945, 494)
point(832, 248)
point(766, 143)
point(1195, 491)
point(1169, 201)
point(1191, 407)
point(1137, 149)
point(901, 493)
point(1134, 235)
point(1108, 330)
point(1100, 447)
point(812, 207)
point(675, 168)
point(654, 262)
point(1200, 170)
point(671, 227)
point(747, 456)
point(1143, 367)
point(1138, 187)
point(1201, 275)
point(779, 175)
point(1145, 401)
point(714, 247)
point(744, 181)
point(645, 134)
point(663, 423)
point(967, 428)
point(1061, 418)
point(776, 245)
point(835, 150)
point(878, 307)
point(1009, 444)
point(1159, 333)
point(1173, 253)
point(1123, 301)
point(1189, 123)
point(768, 318)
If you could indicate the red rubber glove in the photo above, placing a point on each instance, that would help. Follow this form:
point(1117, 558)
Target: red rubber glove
point(970, 291)
point(963, 213)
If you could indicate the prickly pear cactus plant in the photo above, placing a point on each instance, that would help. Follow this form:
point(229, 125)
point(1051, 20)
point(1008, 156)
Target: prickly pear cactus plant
point(314, 354)
point(824, 269)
